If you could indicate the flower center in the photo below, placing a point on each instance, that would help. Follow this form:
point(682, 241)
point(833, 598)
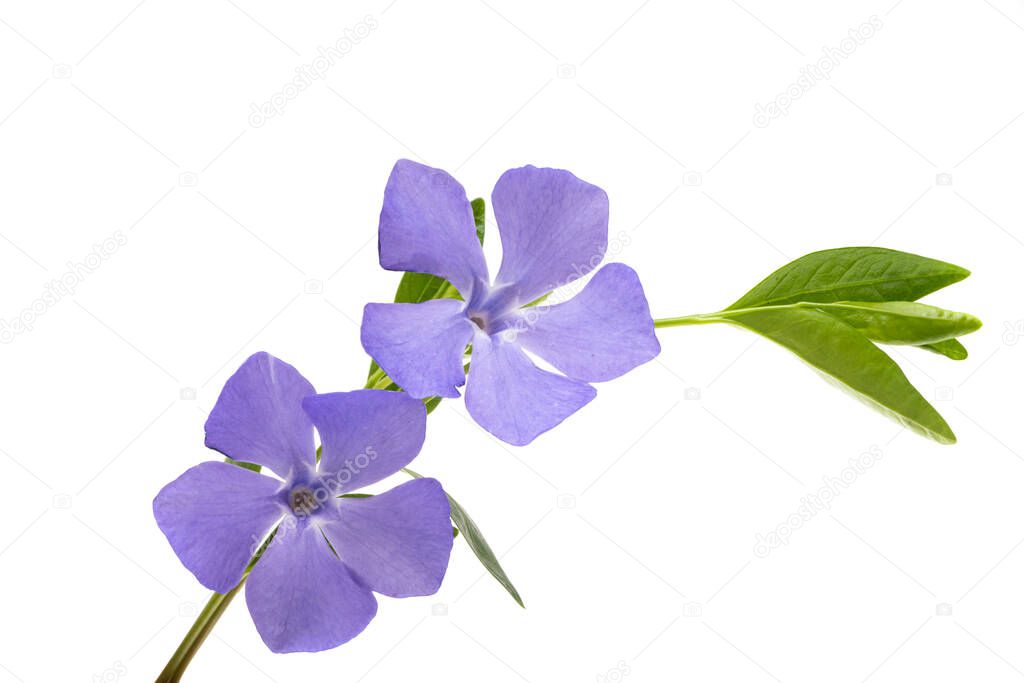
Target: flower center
point(489, 306)
point(479, 320)
point(302, 501)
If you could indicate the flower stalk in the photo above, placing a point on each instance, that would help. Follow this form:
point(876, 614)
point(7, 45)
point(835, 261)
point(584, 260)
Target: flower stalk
point(697, 319)
point(196, 635)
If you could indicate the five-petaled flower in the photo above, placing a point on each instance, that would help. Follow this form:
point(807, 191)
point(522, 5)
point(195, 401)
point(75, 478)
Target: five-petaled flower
point(554, 229)
point(312, 588)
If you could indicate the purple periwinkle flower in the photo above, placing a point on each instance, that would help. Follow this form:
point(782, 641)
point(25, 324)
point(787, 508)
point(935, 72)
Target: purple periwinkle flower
point(312, 588)
point(554, 229)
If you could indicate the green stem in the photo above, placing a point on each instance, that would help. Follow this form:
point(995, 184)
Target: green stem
point(205, 622)
point(698, 319)
point(723, 316)
point(202, 627)
point(219, 602)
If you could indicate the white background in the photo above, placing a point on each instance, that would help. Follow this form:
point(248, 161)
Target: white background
point(135, 118)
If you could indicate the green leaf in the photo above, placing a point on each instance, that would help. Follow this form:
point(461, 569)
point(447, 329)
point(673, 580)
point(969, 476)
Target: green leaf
point(244, 465)
point(374, 375)
point(902, 322)
point(852, 274)
point(416, 287)
point(479, 217)
point(471, 532)
point(829, 307)
point(848, 358)
point(950, 348)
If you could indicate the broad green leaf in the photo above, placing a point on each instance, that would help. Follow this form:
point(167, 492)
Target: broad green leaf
point(471, 532)
point(852, 274)
point(901, 322)
point(950, 348)
point(848, 358)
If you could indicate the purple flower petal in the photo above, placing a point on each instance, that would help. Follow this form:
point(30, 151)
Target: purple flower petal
point(215, 515)
point(553, 226)
point(259, 418)
point(603, 332)
point(512, 398)
point(302, 598)
point(367, 435)
point(420, 346)
point(398, 542)
point(427, 226)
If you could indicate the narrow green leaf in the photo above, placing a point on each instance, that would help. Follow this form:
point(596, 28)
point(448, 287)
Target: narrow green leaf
point(479, 217)
point(244, 465)
point(848, 358)
point(902, 322)
point(852, 274)
point(950, 348)
point(471, 532)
